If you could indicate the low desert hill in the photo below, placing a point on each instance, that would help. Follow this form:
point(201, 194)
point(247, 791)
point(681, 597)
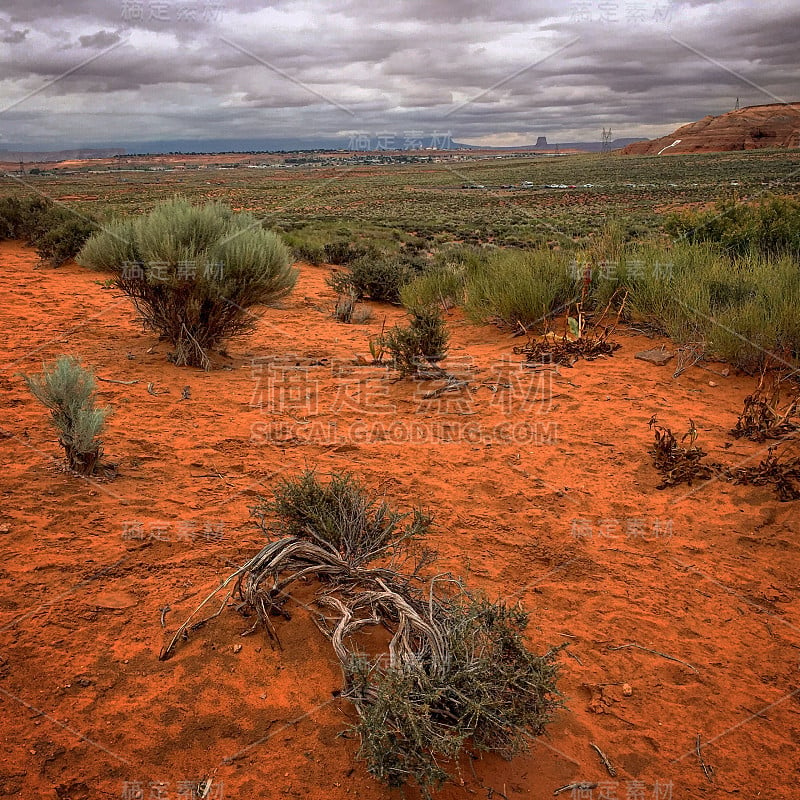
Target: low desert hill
point(751, 128)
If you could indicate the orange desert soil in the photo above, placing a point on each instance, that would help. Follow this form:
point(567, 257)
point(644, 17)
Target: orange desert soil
point(549, 500)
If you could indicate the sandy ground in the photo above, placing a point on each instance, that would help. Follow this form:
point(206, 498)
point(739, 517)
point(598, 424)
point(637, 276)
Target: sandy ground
point(542, 490)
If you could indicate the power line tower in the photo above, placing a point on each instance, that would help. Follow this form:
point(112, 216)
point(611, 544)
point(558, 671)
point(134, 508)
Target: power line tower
point(737, 104)
point(606, 139)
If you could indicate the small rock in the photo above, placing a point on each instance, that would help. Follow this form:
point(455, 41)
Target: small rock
point(712, 383)
point(237, 648)
point(656, 356)
point(627, 689)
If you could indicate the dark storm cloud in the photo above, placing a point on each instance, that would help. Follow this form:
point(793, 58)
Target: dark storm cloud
point(14, 37)
point(513, 68)
point(100, 39)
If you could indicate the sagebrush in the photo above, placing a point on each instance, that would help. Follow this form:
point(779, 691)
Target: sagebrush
point(68, 391)
point(194, 273)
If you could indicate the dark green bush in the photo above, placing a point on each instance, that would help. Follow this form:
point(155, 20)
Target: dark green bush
point(341, 253)
point(770, 227)
point(65, 239)
point(68, 390)
point(342, 515)
point(423, 342)
point(491, 692)
point(194, 272)
point(377, 276)
point(56, 232)
point(310, 253)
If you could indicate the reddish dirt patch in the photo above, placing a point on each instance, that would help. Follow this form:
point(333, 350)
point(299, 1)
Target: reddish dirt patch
point(707, 575)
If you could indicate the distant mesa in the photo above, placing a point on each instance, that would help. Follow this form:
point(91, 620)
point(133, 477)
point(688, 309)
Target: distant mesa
point(541, 141)
point(750, 128)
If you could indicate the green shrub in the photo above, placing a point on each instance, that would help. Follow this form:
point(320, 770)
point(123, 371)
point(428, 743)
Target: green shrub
point(769, 227)
point(444, 281)
point(378, 276)
point(65, 239)
point(310, 253)
point(68, 391)
point(194, 272)
point(56, 232)
point(341, 253)
point(742, 310)
point(424, 341)
point(430, 667)
point(443, 286)
point(341, 515)
point(492, 692)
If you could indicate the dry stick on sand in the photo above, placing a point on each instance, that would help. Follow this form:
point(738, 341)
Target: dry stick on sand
point(452, 385)
point(111, 380)
point(708, 770)
point(604, 759)
point(654, 652)
point(582, 786)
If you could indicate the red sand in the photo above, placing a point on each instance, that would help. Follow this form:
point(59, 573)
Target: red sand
point(707, 575)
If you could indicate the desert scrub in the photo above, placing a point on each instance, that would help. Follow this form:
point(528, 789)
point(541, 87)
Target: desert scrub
point(442, 286)
point(63, 237)
point(770, 227)
point(68, 390)
point(342, 515)
point(433, 670)
point(489, 691)
point(742, 309)
point(522, 287)
point(347, 309)
point(444, 282)
point(378, 276)
point(423, 342)
point(56, 232)
point(194, 272)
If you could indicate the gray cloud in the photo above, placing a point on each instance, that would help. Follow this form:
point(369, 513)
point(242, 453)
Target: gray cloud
point(14, 37)
point(101, 39)
point(401, 65)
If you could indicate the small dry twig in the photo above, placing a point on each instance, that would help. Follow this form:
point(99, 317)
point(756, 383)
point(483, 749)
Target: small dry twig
point(708, 770)
point(111, 380)
point(582, 786)
point(654, 652)
point(605, 761)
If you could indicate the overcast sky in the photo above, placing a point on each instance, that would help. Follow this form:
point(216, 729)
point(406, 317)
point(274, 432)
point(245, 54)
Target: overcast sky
point(95, 72)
